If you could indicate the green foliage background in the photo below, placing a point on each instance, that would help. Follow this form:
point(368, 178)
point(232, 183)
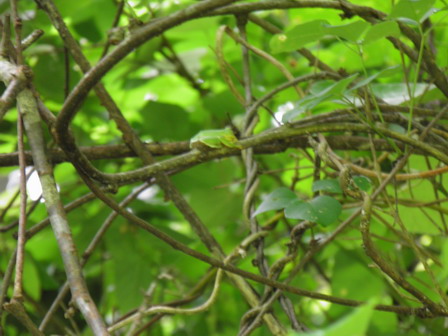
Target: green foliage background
point(163, 104)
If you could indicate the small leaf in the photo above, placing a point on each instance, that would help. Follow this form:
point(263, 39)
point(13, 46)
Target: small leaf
point(351, 31)
point(298, 36)
point(278, 199)
point(330, 185)
point(301, 210)
point(362, 182)
point(327, 209)
point(381, 30)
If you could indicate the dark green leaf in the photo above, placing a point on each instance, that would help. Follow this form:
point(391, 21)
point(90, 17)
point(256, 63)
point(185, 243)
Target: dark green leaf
point(278, 199)
point(362, 182)
point(327, 209)
point(299, 209)
point(330, 185)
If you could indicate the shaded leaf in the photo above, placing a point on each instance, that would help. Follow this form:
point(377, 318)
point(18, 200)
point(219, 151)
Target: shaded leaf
point(301, 210)
point(327, 209)
point(278, 199)
point(330, 185)
point(362, 182)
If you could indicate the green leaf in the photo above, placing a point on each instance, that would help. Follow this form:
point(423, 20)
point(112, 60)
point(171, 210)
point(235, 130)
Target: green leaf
point(298, 36)
point(322, 210)
point(362, 182)
point(31, 279)
point(354, 324)
point(383, 73)
point(381, 30)
point(413, 10)
point(278, 199)
point(299, 209)
point(333, 91)
point(330, 185)
point(159, 118)
point(327, 209)
point(351, 31)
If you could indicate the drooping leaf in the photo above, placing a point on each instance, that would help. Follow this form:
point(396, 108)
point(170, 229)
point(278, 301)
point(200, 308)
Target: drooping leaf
point(333, 91)
point(278, 199)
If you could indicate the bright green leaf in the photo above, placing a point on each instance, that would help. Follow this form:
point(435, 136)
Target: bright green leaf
point(278, 199)
point(414, 10)
point(31, 279)
point(298, 36)
point(351, 31)
point(354, 324)
point(330, 185)
point(382, 30)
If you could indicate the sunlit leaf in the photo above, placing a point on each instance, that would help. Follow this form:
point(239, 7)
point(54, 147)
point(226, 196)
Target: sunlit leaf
point(381, 30)
point(414, 10)
point(298, 36)
point(350, 31)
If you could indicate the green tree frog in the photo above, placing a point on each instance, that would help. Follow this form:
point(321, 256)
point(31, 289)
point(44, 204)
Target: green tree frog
point(215, 139)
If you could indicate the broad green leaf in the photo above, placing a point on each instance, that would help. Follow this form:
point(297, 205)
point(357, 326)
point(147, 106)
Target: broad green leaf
point(278, 199)
point(159, 118)
point(351, 31)
point(354, 324)
point(298, 36)
point(381, 30)
point(330, 185)
point(301, 210)
point(327, 209)
point(362, 182)
point(413, 10)
point(322, 210)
